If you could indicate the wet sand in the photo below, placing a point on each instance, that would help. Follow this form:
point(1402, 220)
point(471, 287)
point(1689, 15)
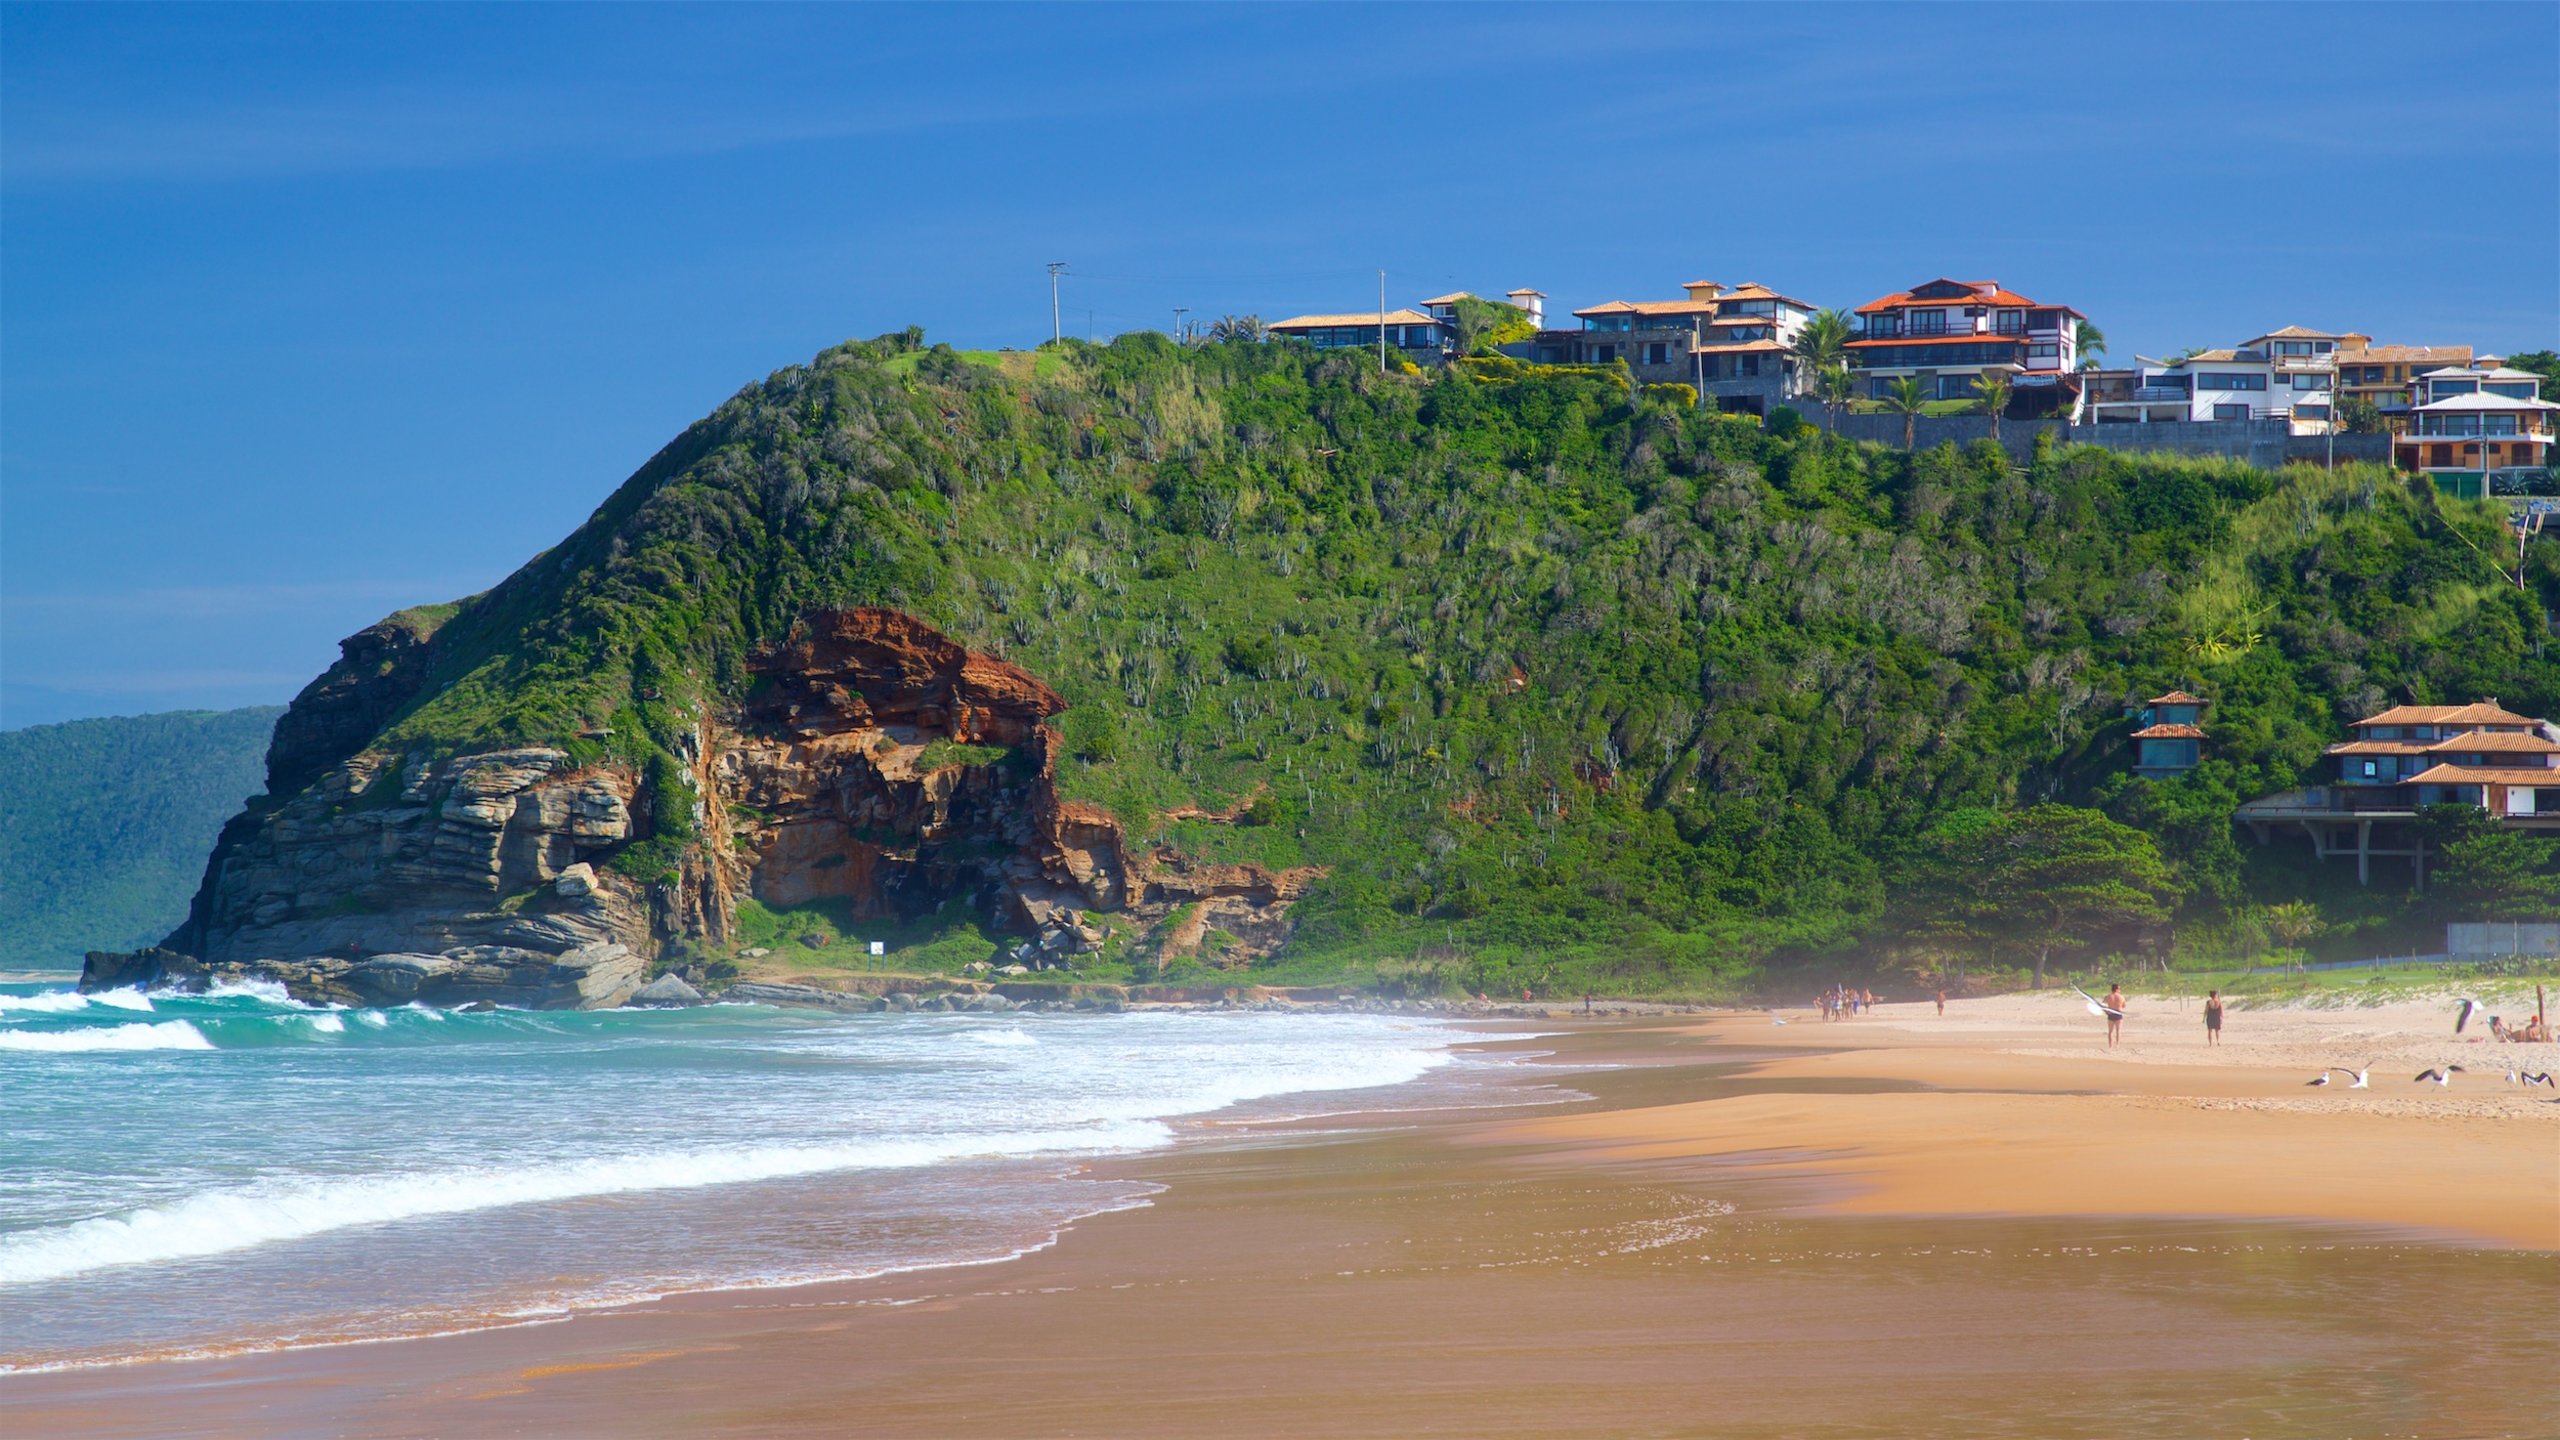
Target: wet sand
point(1892, 1226)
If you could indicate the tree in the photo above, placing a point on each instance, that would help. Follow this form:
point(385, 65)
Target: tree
point(2359, 416)
point(1994, 387)
point(2028, 882)
point(2488, 871)
point(2293, 922)
point(1247, 328)
point(1823, 343)
point(2091, 343)
point(1484, 326)
point(1907, 397)
point(1836, 387)
point(2544, 363)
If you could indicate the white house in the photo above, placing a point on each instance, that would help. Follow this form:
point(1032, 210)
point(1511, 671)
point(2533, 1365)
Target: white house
point(2289, 374)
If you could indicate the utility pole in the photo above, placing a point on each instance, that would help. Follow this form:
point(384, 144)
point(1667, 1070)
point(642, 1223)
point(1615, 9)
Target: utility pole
point(1055, 334)
point(1382, 322)
point(1178, 312)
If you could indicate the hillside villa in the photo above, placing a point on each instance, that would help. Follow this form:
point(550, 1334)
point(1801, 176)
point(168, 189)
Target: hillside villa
point(1416, 336)
point(2412, 756)
point(1952, 332)
point(2383, 375)
point(2471, 427)
point(2286, 374)
point(2171, 739)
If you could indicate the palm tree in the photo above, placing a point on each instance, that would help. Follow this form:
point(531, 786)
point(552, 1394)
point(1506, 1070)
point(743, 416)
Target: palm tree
point(1247, 328)
point(1907, 397)
point(1823, 342)
point(1994, 387)
point(1836, 387)
point(2294, 921)
point(2091, 343)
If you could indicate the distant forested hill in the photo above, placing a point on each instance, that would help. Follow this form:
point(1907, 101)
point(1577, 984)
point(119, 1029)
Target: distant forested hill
point(105, 824)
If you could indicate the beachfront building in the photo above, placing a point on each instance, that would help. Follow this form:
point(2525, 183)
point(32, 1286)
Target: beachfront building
point(1411, 333)
point(2171, 738)
point(2288, 374)
point(1950, 333)
point(2412, 756)
point(2472, 429)
point(2386, 375)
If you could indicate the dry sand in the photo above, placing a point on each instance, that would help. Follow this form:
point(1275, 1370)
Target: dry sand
point(2045, 1118)
point(1984, 1225)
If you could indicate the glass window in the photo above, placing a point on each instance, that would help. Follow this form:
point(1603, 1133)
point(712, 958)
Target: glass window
point(2048, 353)
point(1928, 322)
point(2229, 380)
point(2310, 382)
point(2236, 411)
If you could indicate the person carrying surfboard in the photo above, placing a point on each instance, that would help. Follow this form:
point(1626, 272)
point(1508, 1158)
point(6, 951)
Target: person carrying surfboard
point(2115, 1012)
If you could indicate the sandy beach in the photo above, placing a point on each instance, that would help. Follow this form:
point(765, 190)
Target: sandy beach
point(1985, 1224)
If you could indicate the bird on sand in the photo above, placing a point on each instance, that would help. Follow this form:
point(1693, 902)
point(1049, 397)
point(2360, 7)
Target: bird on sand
point(2439, 1077)
point(2355, 1078)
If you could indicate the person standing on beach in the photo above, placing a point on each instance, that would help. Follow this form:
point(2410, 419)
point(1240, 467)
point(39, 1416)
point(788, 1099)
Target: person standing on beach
point(2213, 1017)
point(2114, 1004)
point(1942, 1003)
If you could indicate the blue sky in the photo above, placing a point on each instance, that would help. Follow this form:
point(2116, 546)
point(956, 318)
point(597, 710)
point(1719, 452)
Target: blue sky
point(308, 313)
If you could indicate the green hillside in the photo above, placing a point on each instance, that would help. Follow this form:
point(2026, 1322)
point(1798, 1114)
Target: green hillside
point(1568, 680)
point(105, 825)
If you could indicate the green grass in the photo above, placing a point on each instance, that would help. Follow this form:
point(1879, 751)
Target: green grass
point(942, 753)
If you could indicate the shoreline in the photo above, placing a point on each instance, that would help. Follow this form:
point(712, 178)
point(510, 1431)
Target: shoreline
point(1675, 1156)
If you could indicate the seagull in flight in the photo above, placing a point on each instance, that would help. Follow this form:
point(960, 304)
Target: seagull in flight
point(2462, 1016)
point(2440, 1077)
point(2355, 1078)
point(2531, 1077)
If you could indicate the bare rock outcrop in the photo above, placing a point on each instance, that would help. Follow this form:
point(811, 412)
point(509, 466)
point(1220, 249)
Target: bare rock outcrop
point(876, 763)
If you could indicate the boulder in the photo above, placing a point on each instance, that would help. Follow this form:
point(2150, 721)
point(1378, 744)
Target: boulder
point(667, 992)
point(576, 882)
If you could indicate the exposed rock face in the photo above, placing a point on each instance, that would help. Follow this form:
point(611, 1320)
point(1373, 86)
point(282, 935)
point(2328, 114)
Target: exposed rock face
point(588, 977)
point(877, 763)
point(379, 669)
point(481, 851)
point(839, 782)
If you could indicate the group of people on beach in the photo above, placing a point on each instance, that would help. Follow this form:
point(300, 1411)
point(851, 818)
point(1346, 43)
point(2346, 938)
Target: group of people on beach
point(1840, 1002)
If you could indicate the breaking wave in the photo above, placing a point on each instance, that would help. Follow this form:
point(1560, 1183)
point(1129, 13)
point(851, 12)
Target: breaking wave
point(219, 1221)
point(163, 1035)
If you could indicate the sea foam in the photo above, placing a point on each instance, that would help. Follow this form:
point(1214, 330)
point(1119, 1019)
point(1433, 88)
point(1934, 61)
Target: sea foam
point(219, 1221)
point(164, 1035)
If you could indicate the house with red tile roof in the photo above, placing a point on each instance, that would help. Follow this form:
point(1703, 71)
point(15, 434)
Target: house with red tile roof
point(2409, 757)
point(2171, 738)
point(1951, 332)
point(1733, 344)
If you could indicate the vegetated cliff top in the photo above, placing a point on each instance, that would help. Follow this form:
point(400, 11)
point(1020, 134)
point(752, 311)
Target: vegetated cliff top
point(1531, 660)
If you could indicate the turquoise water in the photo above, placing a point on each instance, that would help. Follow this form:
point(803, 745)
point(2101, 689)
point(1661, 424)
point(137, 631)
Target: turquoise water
point(181, 1174)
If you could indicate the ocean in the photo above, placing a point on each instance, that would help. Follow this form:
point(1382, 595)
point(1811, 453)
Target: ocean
point(187, 1175)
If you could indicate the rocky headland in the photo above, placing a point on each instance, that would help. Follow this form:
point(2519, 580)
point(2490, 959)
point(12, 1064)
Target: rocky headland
point(875, 762)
